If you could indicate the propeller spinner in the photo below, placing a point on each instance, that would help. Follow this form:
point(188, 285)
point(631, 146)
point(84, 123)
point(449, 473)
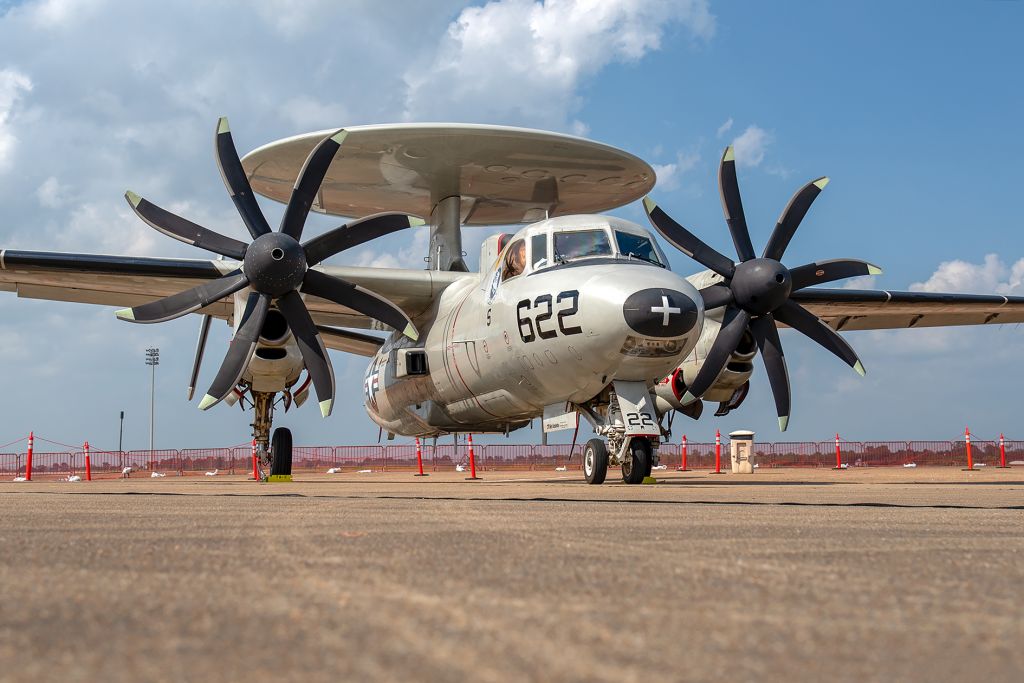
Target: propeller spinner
point(756, 291)
point(276, 266)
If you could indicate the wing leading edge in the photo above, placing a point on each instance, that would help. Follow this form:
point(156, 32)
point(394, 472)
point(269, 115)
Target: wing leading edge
point(863, 309)
point(126, 281)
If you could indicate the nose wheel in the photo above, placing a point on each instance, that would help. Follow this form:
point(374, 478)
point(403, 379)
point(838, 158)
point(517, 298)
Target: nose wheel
point(595, 461)
point(636, 466)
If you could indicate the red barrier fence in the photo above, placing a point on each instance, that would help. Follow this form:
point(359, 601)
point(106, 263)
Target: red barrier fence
point(445, 457)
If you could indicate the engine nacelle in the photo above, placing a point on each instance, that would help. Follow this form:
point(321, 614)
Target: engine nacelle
point(669, 392)
point(276, 363)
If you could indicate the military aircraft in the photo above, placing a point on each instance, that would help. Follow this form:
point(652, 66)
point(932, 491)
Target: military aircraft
point(577, 313)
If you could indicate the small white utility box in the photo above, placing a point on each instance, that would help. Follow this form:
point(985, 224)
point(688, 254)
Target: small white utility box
point(741, 449)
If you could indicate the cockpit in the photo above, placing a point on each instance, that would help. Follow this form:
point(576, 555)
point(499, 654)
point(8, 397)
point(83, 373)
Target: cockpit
point(559, 241)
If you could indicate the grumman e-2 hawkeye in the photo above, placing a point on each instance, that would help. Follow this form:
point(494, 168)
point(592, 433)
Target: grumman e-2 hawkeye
point(577, 313)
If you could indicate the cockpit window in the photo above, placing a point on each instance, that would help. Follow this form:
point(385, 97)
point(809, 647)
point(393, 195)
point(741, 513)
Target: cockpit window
point(539, 251)
point(581, 244)
point(636, 246)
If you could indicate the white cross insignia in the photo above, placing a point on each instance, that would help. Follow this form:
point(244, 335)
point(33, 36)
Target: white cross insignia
point(665, 310)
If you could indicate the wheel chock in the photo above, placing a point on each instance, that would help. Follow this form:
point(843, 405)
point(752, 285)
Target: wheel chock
point(278, 478)
point(649, 480)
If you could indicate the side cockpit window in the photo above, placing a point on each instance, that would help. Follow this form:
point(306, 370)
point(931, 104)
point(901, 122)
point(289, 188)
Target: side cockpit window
point(636, 246)
point(515, 260)
point(539, 251)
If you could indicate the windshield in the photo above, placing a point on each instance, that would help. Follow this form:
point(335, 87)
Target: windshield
point(636, 246)
point(581, 244)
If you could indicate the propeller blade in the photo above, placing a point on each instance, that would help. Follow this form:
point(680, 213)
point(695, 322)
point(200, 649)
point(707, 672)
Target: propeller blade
point(686, 242)
point(791, 216)
point(361, 300)
point(186, 302)
point(183, 230)
point(355, 233)
point(732, 205)
point(829, 271)
point(311, 346)
point(308, 184)
point(716, 295)
point(766, 334)
point(733, 325)
point(204, 331)
point(240, 351)
point(802, 320)
point(231, 171)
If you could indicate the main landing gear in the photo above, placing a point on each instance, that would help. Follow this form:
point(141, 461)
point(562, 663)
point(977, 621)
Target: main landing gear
point(277, 451)
point(281, 452)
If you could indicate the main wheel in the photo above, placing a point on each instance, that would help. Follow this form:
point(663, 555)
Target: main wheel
point(637, 464)
point(595, 461)
point(281, 451)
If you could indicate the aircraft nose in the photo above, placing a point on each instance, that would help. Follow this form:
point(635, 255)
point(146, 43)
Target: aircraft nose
point(660, 312)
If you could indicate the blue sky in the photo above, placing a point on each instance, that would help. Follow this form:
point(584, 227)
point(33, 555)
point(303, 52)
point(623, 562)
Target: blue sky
point(913, 109)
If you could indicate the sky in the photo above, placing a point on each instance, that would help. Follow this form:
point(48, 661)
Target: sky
point(913, 109)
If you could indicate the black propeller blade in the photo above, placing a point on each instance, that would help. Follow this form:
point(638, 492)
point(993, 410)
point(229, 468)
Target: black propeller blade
point(733, 325)
point(732, 205)
point(237, 183)
point(240, 351)
point(829, 271)
point(756, 291)
point(353, 234)
point(204, 332)
point(183, 303)
point(275, 266)
point(183, 230)
point(312, 348)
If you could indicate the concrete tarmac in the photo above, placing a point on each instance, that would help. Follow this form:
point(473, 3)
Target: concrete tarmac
point(783, 575)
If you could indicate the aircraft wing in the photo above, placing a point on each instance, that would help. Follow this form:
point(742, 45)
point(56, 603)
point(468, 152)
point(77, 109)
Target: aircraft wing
point(863, 309)
point(125, 281)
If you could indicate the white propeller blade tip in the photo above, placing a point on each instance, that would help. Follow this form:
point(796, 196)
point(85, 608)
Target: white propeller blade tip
point(326, 406)
point(125, 314)
point(207, 402)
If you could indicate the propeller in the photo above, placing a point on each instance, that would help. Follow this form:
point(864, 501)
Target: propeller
point(756, 291)
point(275, 266)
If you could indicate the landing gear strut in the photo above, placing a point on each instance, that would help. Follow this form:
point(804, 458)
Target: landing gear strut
point(262, 419)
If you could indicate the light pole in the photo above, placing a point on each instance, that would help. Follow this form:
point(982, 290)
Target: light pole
point(152, 360)
point(120, 441)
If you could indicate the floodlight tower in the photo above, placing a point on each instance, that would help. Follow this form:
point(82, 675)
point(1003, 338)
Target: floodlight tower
point(152, 360)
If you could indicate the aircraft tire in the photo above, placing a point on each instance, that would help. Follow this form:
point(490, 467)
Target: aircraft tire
point(638, 465)
point(281, 451)
point(595, 461)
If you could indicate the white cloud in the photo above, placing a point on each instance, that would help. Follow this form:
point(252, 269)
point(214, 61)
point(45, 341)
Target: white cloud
point(51, 193)
point(669, 174)
point(992, 275)
point(306, 113)
point(860, 282)
point(13, 84)
point(725, 127)
point(750, 146)
point(957, 276)
point(522, 61)
point(57, 13)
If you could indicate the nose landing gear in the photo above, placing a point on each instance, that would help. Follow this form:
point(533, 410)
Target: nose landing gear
point(595, 461)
